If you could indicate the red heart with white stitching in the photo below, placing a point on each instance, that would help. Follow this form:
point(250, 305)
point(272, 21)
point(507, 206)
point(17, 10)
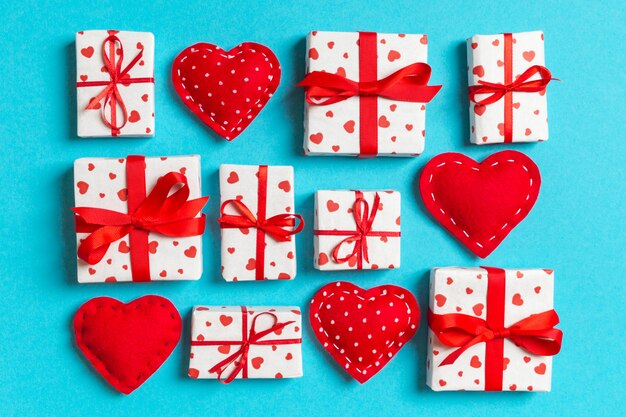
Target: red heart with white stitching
point(480, 203)
point(363, 329)
point(127, 343)
point(226, 89)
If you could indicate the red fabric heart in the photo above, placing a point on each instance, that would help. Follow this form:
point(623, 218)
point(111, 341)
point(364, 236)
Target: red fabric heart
point(480, 203)
point(226, 89)
point(363, 329)
point(127, 343)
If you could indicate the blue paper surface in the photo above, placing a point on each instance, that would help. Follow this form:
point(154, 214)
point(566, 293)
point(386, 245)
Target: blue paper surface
point(577, 226)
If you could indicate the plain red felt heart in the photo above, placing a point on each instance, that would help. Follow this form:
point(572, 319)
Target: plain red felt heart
point(363, 329)
point(127, 343)
point(226, 89)
point(480, 203)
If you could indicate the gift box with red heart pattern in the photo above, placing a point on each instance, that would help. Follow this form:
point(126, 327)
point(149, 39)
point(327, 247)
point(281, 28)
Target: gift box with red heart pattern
point(258, 222)
point(114, 185)
point(115, 83)
point(230, 343)
point(395, 127)
point(356, 230)
point(482, 328)
point(505, 59)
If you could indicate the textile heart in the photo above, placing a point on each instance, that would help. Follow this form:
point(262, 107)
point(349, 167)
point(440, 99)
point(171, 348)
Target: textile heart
point(226, 89)
point(363, 329)
point(480, 203)
point(127, 343)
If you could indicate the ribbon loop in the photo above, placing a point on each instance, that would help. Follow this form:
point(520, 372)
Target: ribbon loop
point(522, 84)
point(364, 220)
point(407, 84)
point(160, 212)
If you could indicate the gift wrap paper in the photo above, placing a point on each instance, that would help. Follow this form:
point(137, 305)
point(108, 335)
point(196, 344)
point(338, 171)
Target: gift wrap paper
point(209, 324)
point(138, 97)
point(334, 129)
point(464, 291)
point(101, 183)
point(485, 60)
point(334, 211)
point(239, 245)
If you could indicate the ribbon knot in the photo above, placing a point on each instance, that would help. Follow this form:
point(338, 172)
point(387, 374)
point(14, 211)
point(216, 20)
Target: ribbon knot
point(111, 46)
point(535, 334)
point(523, 84)
point(239, 359)
point(364, 220)
point(281, 227)
point(161, 212)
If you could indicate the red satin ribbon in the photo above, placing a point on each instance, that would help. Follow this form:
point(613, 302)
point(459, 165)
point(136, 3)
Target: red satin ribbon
point(496, 91)
point(406, 84)
point(535, 334)
point(252, 337)
point(159, 212)
point(364, 219)
point(111, 93)
point(276, 226)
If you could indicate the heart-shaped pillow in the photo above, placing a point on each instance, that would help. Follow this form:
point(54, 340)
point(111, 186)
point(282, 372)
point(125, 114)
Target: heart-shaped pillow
point(363, 329)
point(127, 343)
point(226, 89)
point(480, 203)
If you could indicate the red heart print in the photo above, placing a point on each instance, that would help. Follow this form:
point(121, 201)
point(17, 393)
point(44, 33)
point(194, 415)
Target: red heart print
point(349, 126)
point(363, 329)
point(82, 187)
point(540, 369)
point(517, 299)
point(285, 186)
point(87, 52)
point(191, 252)
point(251, 265)
point(479, 70)
point(480, 203)
point(383, 122)
point(225, 320)
point(480, 109)
point(528, 55)
point(134, 116)
point(316, 138)
point(232, 178)
point(393, 55)
point(257, 362)
point(127, 343)
point(322, 259)
point(224, 349)
point(475, 362)
point(226, 89)
point(332, 206)
point(478, 309)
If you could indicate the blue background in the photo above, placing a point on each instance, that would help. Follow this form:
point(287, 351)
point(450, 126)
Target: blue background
point(577, 226)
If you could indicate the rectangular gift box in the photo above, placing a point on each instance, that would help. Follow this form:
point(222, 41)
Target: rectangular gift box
point(249, 253)
point(501, 59)
point(335, 129)
point(131, 56)
point(337, 233)
point(473, 292)
point(217, 342)
point(104, 183)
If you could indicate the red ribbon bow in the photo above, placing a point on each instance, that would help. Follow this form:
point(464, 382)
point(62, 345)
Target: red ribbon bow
point(276, 226)
point(535, 334)
point(253, 337)
point(406, 84)
point(364, 219)
point(160, 212)
point(111, 93)
point(521, 85)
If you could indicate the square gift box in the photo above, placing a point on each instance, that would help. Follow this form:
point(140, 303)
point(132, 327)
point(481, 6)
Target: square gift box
point(515, 60)
point(491, 329)
point(366, 123)
point(114, 83)
point(115, 239)
point(229, 343)
point(356, 230)
point(258, 222)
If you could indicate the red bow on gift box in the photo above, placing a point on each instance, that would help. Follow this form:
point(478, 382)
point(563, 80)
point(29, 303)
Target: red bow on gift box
point(111, 93)
point(159, 212)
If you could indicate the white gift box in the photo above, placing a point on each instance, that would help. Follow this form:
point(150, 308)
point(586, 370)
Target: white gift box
point(529, 110)
point(218, 336)
point(335, 222)
point(464, 291)
point(136, 88)
point(103, 183)
point(335, 129)
point(240, 245)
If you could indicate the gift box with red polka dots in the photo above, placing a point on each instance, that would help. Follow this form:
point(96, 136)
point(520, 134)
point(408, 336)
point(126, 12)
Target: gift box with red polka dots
point(115, 83)
point(102, 183)
point(230, 343)
point(495, 363)
point(528, 111)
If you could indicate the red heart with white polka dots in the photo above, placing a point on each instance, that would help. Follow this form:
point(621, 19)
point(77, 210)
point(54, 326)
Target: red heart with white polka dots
point(363, 329)
point(226, 89)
